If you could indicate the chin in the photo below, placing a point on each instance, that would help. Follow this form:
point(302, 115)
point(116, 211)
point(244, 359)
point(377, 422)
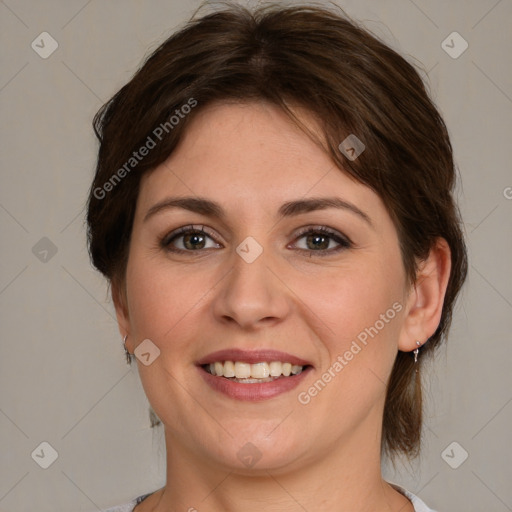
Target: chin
point(251, 453)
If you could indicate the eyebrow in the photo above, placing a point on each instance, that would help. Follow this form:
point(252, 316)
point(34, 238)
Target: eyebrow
point(210, 208)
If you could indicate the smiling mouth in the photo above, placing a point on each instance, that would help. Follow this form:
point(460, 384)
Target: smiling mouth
point(247, 373)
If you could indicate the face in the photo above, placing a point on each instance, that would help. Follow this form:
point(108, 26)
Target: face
point(264, 270)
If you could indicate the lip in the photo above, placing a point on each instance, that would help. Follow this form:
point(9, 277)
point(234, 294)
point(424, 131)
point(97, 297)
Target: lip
point(256, 391)
point(252, 356)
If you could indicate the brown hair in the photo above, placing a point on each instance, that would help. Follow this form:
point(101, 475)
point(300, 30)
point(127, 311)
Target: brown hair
point(351, 82)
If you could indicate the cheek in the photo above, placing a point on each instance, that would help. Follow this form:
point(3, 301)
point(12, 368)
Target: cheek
point(161, 297)
point(351, 299)
point(164, 306)
point(361, 308)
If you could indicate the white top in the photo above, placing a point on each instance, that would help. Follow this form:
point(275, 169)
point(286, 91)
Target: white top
point(419, 506)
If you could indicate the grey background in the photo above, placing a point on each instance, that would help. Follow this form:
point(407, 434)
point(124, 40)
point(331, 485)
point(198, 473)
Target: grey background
point(63, 376)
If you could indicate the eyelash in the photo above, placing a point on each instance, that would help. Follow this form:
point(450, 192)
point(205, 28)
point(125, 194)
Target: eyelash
point(343, 241)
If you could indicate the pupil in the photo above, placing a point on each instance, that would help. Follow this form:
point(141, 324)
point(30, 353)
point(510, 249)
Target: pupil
point(192, 241)
point(319, 241)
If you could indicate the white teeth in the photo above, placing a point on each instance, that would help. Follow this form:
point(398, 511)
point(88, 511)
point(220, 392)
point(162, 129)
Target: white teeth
point(275, 368)
point(242, 370)
point(287, 369)
point(296, 369)
point(229, 369)
point(263, 371)
point(219, 369)
point(260, 370)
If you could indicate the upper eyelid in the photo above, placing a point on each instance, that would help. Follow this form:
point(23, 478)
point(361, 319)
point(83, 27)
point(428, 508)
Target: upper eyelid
point(181, 231)
point(322, 229)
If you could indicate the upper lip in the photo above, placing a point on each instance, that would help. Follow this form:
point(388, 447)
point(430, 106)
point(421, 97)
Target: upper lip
point(252, 356)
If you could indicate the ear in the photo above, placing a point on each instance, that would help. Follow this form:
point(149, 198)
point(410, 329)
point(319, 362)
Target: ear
point(426, 297)
point(119, 299)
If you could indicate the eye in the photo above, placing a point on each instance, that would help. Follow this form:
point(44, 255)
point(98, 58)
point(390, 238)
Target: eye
point(322, 240)
point(188, 239)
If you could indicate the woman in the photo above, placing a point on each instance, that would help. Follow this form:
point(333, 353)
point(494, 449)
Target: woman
point(273, 208)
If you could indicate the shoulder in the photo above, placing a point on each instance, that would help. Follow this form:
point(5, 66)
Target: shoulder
point(419, 505)
point(128, 507)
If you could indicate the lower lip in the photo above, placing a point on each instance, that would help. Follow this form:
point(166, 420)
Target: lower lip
point(255, 391)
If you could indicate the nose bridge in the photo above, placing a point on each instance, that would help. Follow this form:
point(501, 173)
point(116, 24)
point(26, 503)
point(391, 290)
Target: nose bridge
point(251, 292)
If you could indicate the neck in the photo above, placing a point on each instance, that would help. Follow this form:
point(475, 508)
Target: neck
point(346, 476)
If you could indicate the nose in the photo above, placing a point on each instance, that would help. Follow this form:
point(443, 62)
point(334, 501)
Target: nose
point(252, 295)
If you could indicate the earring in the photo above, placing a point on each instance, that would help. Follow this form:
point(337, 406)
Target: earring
point(127, 354)
point(416, 351)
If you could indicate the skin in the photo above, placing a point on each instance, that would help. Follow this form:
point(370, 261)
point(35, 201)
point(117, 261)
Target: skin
point(250, 158)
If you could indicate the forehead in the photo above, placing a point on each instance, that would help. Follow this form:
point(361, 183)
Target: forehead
point(252, 155)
